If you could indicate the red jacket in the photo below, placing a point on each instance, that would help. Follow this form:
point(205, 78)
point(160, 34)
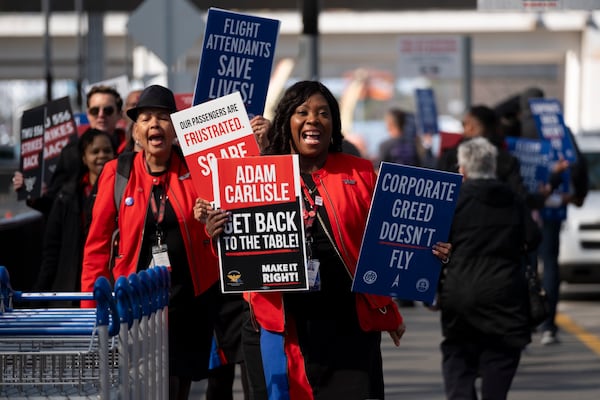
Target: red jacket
point(346, 184)
point(182, 195)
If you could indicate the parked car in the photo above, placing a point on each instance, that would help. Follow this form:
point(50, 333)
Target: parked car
point(579, 256)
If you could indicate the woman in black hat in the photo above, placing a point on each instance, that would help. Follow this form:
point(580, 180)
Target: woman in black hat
point(157, 227)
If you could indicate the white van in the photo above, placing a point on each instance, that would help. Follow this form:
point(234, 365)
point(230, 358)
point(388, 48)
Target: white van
point(579, 254)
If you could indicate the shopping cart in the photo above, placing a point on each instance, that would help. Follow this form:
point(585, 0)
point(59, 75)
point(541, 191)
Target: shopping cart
point(116, 351)
point(142, 300)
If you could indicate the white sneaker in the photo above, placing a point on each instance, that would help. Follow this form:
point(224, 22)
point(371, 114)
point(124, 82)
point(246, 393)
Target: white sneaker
point(548, 338)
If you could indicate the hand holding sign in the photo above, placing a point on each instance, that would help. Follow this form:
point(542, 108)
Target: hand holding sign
point(215, 222)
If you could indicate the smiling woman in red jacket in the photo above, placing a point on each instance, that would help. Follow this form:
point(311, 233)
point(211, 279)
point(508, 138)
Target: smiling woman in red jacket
point(323, 343)
point(157, 227)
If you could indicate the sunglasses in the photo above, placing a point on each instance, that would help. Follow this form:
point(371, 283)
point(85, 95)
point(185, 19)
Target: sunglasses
point(108, 111)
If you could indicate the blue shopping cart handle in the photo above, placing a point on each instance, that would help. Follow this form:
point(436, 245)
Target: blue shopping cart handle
point(125, 300)
point(153, 277)
point(4, 277)
point(47, 331)
point(105, 306)
point(5, 290)
point(144, 308)
point(147, 307)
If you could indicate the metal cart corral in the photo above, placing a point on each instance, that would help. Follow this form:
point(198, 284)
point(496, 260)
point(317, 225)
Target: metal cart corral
point(119, 350)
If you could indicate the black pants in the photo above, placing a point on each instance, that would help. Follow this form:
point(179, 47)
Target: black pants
point(339, 366)
point(228, 333)
point(464, 361)
point(220, 382)
point(255, 377)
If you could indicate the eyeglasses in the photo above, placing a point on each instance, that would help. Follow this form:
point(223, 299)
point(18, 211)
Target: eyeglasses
point(108, 111)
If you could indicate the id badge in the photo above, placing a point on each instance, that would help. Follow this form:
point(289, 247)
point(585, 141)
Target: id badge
point(160, 257)
point(314, 277)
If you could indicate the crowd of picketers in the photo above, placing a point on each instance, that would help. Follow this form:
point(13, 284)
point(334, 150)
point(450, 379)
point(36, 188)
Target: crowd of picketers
point(316, 344)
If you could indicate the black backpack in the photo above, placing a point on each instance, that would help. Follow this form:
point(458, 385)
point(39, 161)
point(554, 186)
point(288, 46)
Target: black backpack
point(124, 163)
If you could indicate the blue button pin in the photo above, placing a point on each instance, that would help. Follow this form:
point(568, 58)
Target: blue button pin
point(129, 201)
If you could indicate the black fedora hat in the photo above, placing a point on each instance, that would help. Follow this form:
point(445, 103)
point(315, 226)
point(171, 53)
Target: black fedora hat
point(154, 96)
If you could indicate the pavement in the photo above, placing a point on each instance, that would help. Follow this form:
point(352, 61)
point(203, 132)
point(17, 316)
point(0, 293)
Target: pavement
point(568, 370)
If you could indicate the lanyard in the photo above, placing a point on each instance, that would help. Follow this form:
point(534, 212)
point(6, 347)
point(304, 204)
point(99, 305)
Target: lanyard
point(309, 216)
point(158, 211)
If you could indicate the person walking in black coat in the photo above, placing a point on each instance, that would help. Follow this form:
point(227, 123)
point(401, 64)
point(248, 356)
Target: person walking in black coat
point(483, 292)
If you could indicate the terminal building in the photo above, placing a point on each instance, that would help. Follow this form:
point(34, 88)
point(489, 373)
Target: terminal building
point(556, 49)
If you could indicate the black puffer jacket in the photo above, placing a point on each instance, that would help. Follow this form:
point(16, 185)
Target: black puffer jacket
point(66, 230)
point(483, 293)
